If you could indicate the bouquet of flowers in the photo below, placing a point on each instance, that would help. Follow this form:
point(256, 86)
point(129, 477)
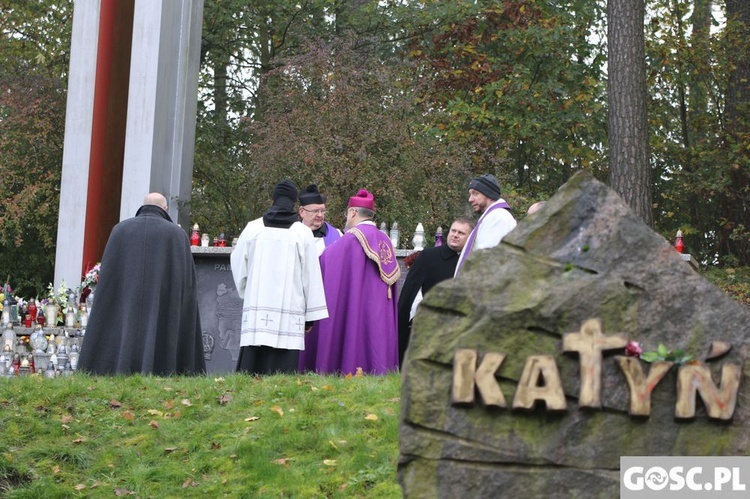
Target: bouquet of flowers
point(91, 278)
point(60, 296)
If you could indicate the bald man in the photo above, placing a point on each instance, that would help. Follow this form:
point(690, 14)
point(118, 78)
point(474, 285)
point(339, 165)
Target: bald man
point(144, 318)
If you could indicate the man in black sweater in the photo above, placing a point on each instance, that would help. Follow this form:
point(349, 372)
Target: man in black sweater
point(431, 266)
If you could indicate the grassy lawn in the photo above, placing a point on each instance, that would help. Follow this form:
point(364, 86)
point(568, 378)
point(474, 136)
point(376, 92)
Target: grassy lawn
point(231, 436)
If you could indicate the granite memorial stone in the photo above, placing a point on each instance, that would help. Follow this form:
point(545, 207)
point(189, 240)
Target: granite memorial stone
point(517, 383)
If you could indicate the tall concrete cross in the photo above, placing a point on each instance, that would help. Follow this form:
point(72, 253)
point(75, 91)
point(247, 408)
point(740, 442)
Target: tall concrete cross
point(130, 120)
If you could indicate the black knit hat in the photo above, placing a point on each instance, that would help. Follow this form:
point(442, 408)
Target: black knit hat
point(285, 189)
point(311, 195)
point(487, 185)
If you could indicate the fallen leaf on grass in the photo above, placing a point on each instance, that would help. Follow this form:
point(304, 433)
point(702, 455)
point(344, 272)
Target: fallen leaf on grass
point(314, 388)
point(218, 380)
point(123, 492)
point(225, 399)
point(186, 403)
point(66, 418)
point(214, 445)
point(56, 470)
point(284, 461)
point(278, 410)
point(360, 373)
point(168, 404)
point(189, 483)
point(115, 404)
point(128, 415)
point(330, 462)
point(371, 417)
point(66, 427)
point(154, 412)
point(167, 450)
point(79, 440)
point(154, 424)
point(348, 376)
point(80, 486)
point(252, 418)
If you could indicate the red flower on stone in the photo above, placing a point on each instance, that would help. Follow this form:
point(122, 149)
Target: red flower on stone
point(633, 349)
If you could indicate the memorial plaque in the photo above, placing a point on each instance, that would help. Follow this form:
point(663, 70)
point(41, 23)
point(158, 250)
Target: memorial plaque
point(220, 308)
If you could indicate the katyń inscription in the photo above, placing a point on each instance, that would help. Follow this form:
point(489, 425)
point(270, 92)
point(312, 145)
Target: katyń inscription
point(540, 381)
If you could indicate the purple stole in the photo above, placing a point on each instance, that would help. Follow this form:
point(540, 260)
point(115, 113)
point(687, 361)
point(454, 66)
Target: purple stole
point(378, 248)
point(470, 242)
point(332, 234)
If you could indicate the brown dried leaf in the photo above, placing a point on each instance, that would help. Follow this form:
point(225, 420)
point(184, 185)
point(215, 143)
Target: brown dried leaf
point(123, 492)
point(189, 483)
point(168, 405)
point(115, 404)
point(360, 373)
point(65, 427)
point(225, 399)
point(168, 450)
point(186, 403)
point(348, 376)
point(80, 486)
point(371, 417)
point(66, 418)
point(214, 445)
point(282, 461)
point(252, 418)
point(128, 415)
point(79, 440)
point(55, 470)
point(278, 410)
point(154, 424)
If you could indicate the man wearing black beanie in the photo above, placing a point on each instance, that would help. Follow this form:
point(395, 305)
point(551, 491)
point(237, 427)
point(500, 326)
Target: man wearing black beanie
point(277, 273)
point(495, 220)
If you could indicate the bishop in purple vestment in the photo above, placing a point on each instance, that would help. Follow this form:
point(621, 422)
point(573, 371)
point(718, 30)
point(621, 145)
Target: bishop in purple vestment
point(360, 272)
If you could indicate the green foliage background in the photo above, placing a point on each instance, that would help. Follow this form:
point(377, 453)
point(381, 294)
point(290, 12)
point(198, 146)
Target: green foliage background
point(409, 100)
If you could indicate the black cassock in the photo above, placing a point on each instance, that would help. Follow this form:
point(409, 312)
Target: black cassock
point(145, 317)
point(431, 267)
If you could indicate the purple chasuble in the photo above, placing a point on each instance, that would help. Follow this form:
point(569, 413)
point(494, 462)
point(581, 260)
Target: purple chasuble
point(332, 234)
point(360, 273)
point(473, 235)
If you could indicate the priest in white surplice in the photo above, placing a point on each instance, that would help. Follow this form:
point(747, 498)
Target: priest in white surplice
point(277, 273)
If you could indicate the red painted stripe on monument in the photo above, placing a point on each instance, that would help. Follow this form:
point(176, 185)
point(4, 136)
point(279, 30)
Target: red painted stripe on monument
point(108, 127)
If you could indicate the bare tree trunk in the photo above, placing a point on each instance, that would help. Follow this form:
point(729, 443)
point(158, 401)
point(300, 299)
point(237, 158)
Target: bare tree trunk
point(629, 170)
point(735, 205)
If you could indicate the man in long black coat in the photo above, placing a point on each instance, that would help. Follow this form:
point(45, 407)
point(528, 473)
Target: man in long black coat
point(432, 266)
point(145, 318)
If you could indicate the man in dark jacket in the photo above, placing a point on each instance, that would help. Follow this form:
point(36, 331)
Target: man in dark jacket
point(145, 318)
point(432, 266)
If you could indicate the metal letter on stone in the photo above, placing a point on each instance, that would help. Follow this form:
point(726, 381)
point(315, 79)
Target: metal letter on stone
point(719, 402)
point(589, 343)
point(640, 385)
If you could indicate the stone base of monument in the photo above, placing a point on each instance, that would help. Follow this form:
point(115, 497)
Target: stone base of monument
point(517, 383)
